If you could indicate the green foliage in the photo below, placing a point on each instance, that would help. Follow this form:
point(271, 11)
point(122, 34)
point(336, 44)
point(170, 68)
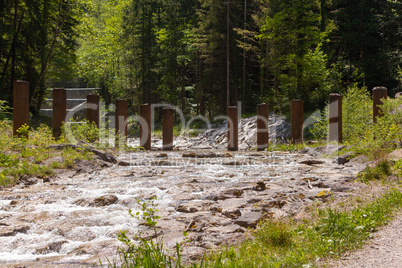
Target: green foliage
point(380, 170)
point(149, 211)
point(4, 110)
point(273, 233)
point(357, 113)
point(142, 252)
point(27, 155)
point(81, 131)
point(146, 254)
point(319, 129)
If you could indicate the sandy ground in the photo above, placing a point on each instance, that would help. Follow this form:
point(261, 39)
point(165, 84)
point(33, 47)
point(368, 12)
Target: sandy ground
point(384, 250)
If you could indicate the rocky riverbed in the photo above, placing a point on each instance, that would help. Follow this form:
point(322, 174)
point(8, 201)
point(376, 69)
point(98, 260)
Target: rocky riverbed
point(73, 219)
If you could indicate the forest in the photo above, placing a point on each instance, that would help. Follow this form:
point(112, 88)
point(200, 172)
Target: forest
point(201, 55)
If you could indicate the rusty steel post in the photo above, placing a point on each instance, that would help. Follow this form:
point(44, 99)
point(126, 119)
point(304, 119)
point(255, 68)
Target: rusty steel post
point(121, 122)
point(20, 105)
point(93, 109)
point(262, 127)
point(378, 94)
point(296, 123)
point(167, 128)
point(59, 113)
point(233, 129)
point(145, 126)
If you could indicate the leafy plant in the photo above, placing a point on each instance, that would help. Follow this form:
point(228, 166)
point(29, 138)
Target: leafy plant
point(275, 233)
point(148, 214)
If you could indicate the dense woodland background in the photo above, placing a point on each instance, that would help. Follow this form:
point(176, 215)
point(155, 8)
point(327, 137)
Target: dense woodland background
point(201, 55)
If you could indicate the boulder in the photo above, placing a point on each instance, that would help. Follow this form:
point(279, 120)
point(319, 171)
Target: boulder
point(105, 200)
point(249, 220)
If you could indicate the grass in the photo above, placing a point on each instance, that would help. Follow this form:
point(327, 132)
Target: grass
point(286, 243)
point(29, 154)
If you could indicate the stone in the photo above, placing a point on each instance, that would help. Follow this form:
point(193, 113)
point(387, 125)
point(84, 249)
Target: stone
point(13, 230)
point(27, 180)
point(260, 186)
point(124, 163)
point(233, 214)
point(311, 162)
point(395, 155)
point(249, 220)
point(105, 200)
point(343, 159)
point(230, 193)
point(52, 247)
point(186, 209)
point(229, 229)
point(107, 157)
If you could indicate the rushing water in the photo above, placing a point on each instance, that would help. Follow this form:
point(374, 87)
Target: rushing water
point(55, 222)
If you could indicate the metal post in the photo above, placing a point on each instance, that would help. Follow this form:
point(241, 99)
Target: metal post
point(93, 109)
point(167, 128)
point(121, 122)
point(59, 103)
point(233, 129)
point(335, 117)
point(20, 105)
point(378, 94)
point(262, 127)
point(145, 126)
point(296, 124)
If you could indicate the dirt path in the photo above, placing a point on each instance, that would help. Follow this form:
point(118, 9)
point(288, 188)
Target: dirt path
point(384, 250)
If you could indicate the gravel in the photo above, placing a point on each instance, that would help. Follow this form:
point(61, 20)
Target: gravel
point(384, 250)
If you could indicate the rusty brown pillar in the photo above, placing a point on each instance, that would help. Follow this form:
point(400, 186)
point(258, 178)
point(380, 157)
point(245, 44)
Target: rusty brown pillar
point(335, 117)
point(233, 129)
point(262, 127)
point(59, 113)
point(121, 122)
point(145, 126)
point(378, 94)
point(296, 121)
point(93, 109)
point(20, 105)
point(167, 128)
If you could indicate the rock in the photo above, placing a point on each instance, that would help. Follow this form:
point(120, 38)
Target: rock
point(52, 247)
point(14, 202)
point(233, 214)
point(124, 163)
point(105, 200)
point(162, 163)
point(311, 162)
point(234, 163)
point(81, 202)
point(274, 203)
point(191, 154)
point(185, 209)
point(229, 229)
point(230, 193)
point(260, 186)
point(107, 157)
point(161, 155)
point(343, 159)
point(395, 155)
point(13, 230)
point(250, 219)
